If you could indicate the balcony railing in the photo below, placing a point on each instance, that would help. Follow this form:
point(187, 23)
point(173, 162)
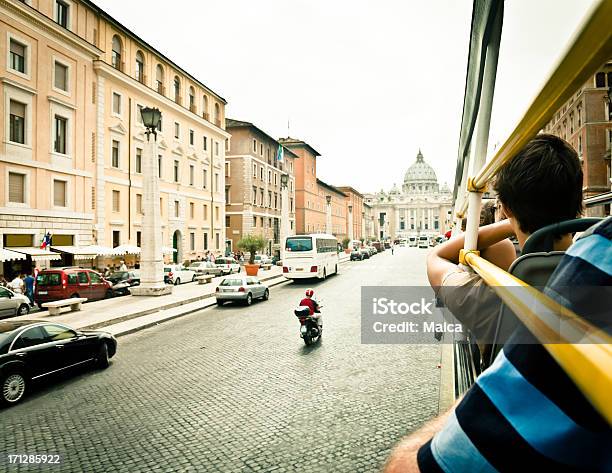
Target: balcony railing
point(218, 122)
point(192, 108)
point(205, 116)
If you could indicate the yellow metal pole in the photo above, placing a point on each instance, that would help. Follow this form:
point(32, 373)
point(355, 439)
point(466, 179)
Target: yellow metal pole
point(588, 364)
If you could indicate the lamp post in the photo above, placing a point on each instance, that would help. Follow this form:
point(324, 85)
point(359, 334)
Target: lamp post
point(151, 258)
point(284, 225)
point(351, 233)
point(328, 215)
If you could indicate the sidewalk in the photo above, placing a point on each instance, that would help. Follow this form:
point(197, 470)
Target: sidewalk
point(122, 313)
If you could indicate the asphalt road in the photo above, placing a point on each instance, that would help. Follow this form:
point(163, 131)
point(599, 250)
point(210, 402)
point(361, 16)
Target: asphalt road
point(235, 389)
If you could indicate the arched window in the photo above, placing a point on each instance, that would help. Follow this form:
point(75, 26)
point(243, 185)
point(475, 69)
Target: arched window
point(159, 79)
point(205, 107)
point(140, 67)
point(217, 115)
point(177, 90)
point(192, 105)
point(116, 54)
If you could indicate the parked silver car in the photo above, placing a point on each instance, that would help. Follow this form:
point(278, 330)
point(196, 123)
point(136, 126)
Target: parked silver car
point(205, 267)
point(241, 288)
point(12, 303)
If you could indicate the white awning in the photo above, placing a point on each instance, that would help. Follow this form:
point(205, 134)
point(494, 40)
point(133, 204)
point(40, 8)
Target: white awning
point(37, 254)
point(100, 250)
point(127, 250)
point(79, 252)
point(10, 255)
point(168, 250)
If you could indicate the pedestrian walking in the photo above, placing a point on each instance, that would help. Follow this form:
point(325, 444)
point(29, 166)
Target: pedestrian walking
point(392, 248)
point(17, 284)
point(29, 288)
point(123, 266)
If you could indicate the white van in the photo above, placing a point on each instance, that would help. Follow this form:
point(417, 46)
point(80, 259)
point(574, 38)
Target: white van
point(423, 241)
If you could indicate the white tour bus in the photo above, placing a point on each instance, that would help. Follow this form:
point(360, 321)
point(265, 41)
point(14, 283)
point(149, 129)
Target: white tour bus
point(310, 256)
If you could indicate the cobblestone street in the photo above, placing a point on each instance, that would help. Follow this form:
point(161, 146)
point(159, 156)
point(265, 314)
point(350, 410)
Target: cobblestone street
point(235, 389)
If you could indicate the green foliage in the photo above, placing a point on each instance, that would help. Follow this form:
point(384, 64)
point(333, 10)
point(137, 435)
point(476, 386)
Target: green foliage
point(345, 242)
point(252, 244)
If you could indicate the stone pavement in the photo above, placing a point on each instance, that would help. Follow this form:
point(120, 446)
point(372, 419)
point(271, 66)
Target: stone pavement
point(234, 389)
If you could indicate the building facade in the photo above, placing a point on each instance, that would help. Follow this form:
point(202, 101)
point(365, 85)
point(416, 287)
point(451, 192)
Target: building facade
point(337, 208)
point(309, 202)
point(73, 83)
point(585, 121)
point(422, 206)
point(253, 188)
point(355, 216)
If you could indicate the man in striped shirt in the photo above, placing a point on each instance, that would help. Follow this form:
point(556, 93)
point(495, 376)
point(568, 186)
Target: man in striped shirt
point(524, 413)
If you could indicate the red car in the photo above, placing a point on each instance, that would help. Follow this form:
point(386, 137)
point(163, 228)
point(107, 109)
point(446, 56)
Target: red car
point(62, 283)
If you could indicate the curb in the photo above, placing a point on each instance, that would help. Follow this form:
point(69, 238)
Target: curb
point(276, 281)
point(190, 310)
point(171, 305)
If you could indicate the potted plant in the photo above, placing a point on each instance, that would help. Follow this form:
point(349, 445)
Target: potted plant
point(252, 244)
point(345, 244)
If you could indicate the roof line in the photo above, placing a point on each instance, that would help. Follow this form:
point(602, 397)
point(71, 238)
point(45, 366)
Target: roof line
point(147, 45)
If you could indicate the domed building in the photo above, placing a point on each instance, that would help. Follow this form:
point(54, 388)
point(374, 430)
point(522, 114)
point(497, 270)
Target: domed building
point(421, 207)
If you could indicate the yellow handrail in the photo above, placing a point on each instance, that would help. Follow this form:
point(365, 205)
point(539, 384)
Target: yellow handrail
point(591, 47)
point(587, 363)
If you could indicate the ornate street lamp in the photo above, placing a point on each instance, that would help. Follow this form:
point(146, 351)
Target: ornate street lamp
point(151, 117)
point(151, 258)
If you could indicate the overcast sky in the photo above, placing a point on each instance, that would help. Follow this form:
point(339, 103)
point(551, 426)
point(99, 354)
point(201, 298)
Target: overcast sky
point(366, 83)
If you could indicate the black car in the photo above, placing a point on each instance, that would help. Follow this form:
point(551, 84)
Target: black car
point(31, 350)
point(356, 255)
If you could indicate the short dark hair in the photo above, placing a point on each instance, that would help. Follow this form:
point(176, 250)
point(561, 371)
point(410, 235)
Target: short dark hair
point(542, 184)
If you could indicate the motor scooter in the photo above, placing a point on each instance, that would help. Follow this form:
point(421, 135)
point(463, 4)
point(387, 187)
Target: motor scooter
point(310, 330)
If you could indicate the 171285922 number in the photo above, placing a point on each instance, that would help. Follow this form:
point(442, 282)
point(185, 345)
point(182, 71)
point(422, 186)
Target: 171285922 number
point(35, 459)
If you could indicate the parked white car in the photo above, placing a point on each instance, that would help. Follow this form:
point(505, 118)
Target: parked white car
point(228, 265)
point(262, 259)
point(177, 274)
point(12, 303)
point(205, 267)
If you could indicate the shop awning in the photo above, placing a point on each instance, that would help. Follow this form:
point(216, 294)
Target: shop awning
point(127, 250)
point(168, 250)
point(37, 254)
point(102, 250)
point(10, 255)
point(79, 252)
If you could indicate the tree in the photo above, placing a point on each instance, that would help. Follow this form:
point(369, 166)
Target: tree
point(345, 242)
point(252, 244)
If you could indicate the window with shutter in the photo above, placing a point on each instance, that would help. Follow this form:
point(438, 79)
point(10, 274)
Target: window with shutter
point(17, 56)
point(17, 122)
point(116, 201)
point(16, 188)
point(59, 193)
point(61, 77)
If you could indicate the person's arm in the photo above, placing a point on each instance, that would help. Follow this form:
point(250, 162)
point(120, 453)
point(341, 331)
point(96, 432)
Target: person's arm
point(445, 257)
point(403, 458)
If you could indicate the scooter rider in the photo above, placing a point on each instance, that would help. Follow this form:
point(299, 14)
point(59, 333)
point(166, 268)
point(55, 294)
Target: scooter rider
point(313, 305)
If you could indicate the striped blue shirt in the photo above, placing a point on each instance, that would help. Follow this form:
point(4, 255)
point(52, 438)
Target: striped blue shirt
point(524, 413)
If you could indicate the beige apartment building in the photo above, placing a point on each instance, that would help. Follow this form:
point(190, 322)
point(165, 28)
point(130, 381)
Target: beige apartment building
point(73, 82)
point(338, 209)
point(585, 121)
point(253, 185)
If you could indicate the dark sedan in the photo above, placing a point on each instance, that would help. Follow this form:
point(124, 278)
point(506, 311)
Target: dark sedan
point(31, 350)
point(356, 255)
